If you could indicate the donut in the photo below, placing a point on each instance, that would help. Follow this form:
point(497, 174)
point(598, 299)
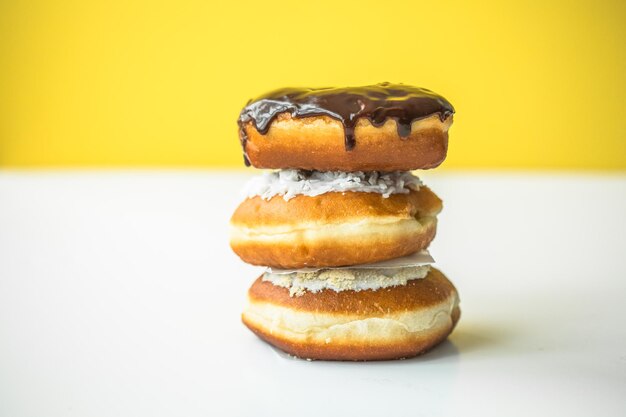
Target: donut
point(383, 127)
point(389, 322)
point(335, 228)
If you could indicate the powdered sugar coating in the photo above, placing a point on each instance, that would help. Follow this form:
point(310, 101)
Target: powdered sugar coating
point(289, 183)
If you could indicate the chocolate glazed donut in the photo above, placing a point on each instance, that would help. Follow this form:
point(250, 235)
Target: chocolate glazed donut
point(376, 103)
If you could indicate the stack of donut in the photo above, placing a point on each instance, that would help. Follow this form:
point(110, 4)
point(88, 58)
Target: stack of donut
point(342, 225)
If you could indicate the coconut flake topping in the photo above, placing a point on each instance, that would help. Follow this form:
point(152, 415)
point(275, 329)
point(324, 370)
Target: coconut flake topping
point(289, 183)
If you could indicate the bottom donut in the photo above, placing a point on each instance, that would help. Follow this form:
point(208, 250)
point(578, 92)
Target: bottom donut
point(370, 322)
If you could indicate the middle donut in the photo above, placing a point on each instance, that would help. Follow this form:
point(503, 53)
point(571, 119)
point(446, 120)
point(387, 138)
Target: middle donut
point(294, 219)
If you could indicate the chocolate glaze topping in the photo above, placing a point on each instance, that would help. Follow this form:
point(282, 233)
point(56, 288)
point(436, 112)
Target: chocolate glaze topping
point(377, 103)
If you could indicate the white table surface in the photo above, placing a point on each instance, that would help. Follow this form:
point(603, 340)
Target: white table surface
point(119, 296)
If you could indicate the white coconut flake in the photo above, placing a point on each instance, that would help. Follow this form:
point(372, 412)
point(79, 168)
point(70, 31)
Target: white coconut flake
point(298, 283)
point(289, 183)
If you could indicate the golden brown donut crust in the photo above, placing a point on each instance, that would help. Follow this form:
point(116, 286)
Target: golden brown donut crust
point(417, 296)
point(413, 346)
point(333, 229)
point(318, 143)
point(417, 293)
point(330, 253)
point(335, 207)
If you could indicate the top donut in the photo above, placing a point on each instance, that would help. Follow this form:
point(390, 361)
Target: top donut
point(382, 127)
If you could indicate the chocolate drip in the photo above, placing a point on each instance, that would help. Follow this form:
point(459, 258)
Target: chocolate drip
point(377, 103)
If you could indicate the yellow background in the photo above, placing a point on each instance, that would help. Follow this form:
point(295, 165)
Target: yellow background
point(535, 84)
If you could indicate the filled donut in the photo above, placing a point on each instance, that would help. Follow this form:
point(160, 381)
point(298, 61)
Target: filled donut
point(352, 314)
point(295, 219)
point(383, 127)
